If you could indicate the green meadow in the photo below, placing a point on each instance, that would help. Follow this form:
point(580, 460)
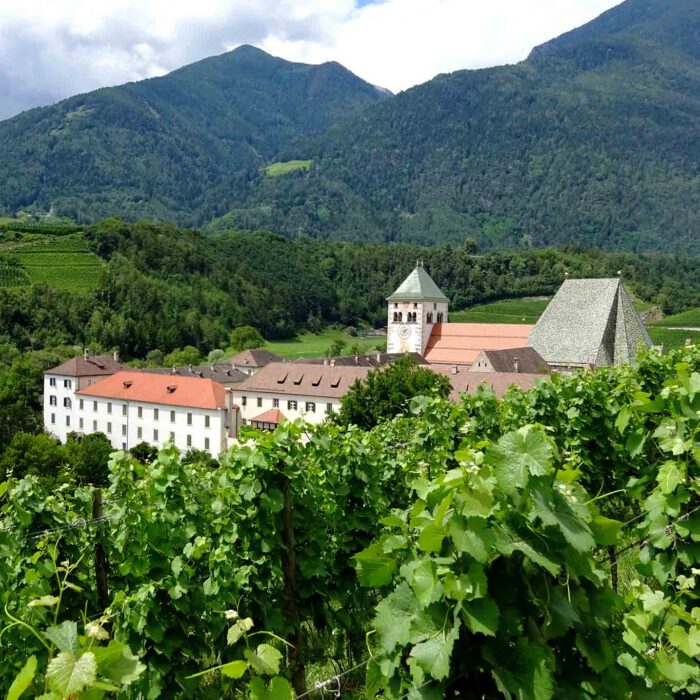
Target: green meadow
point(275, 169)
point(318, 344)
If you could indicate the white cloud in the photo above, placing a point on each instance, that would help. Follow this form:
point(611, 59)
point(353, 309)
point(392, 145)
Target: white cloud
point(49, 50)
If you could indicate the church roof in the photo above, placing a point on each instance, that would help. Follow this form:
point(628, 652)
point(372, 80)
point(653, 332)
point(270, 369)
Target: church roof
point(461, 343)
point(589, 322)
point(417, 286)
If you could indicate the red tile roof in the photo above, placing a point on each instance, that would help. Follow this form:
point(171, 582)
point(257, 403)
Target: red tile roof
point(96, 366)
point(460, 343)
point(189, 392)
point(274, 415)
point(466, 382)
point(299, 379)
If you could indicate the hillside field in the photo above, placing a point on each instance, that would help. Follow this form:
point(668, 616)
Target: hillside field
point(60, 261)
point(317, 344)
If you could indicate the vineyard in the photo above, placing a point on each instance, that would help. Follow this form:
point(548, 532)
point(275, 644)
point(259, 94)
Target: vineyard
point(59, 259)
point(545, 545)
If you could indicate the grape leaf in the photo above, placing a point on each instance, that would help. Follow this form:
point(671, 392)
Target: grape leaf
point(519, 454)
point(433, 655)
point(394, 615)
point(68, 675)
point(481, 616)
point(64, 636)
point(23, 679)
point(374, 567)
point(265, 659)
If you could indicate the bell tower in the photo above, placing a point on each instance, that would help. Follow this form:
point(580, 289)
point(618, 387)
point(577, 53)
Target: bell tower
point(413, 310)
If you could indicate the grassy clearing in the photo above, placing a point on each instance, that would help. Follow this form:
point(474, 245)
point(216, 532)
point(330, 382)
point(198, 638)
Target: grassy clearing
point(275, 169)
point(526, 310)
point(690, 318)
point(317, 344)
point(671, 339)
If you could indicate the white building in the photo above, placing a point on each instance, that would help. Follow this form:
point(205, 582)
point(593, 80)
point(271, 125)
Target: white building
point(61, 384)
point(294, 390)
point(133, 407)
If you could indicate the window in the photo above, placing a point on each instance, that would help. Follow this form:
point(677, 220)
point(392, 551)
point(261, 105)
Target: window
point(155, 436)
point(244, 400)
point(53, 401)
point(53, 417)
point(67, 384)
point(275, 403)
point(52, 381)
point(439, 317)
point(109, 428)
point(80, 423)
point(172, 416)
point(94, 405)
point(109, 406)
point(259, 402)
point(206, 443)
point(68, 421)
point(172, 438)
point(140, 412)
point(123, 409)
point(155, 414)
point(206, 421)
point(124, 429)
point(310, 407)
point(81, 404)
point(189, 441)
point(123, 446)
point(189, 419)
point(94, 426)
point(415, 304)
point(429, 318)
point(292, 405)
point(139, 433)
point(329, 408)
point(396, 306)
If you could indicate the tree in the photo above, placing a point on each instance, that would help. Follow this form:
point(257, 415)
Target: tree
point(200, 457)
point(188, 355)
point(88, 458)
point(39, 454)
point(385, 391)
point(246, 338)
point(336, 348)
point(144, 453)
point(155, 358)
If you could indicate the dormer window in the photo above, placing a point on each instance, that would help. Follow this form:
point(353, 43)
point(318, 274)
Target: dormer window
point(127, 384)
point(171, 389)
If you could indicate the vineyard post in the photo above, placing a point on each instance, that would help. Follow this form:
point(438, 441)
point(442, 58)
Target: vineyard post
point(612, 555)
point(291, 608)
point(100, 558)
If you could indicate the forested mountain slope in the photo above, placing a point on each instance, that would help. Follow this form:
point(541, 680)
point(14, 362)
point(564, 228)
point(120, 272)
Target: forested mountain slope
point(595, 139)
point(174, 147)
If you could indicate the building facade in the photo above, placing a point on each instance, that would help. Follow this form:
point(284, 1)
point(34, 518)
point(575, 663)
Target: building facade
point(132, 407)
point(61, 384)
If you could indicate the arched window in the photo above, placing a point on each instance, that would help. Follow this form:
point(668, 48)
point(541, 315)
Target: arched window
point(430, 317)
point(439, 317)
point(400, 318)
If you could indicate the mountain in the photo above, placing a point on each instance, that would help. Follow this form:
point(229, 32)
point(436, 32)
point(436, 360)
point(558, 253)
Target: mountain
point(593, 140)
point(173, 147)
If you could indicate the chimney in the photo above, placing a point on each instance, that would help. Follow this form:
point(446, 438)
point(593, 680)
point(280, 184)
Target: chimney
point(115, 355)
point(516, 363)
point(325, 362)
point(174, 371)
point(85, 354)
point(379, 358)
point(357, 360)
point(190, 368)
point(455, 370)
point(332, 361)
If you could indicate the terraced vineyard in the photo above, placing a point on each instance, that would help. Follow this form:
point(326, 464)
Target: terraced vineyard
point(61, 260)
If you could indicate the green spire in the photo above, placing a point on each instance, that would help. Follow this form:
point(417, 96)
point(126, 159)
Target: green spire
point(418, 286)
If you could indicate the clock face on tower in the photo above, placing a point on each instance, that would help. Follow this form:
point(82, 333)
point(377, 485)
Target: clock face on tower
point(404, 331)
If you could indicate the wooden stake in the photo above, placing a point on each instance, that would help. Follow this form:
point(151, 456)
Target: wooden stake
point(100, 558)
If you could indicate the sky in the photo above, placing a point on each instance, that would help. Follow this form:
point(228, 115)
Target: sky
point(51, 49)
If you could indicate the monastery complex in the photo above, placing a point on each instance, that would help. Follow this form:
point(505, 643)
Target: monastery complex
point(589, 322)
